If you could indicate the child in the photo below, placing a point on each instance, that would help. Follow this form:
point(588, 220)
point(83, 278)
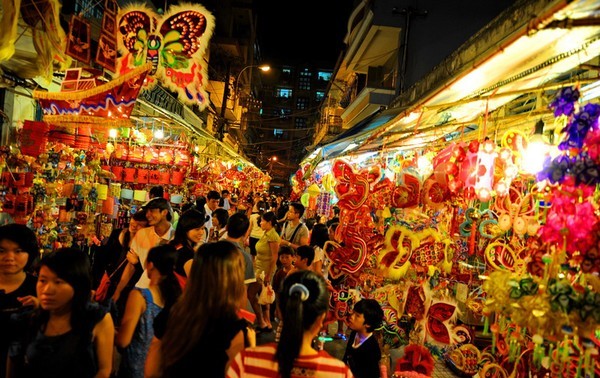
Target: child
point(305, 254)
point(362, 351)
point(286, 257)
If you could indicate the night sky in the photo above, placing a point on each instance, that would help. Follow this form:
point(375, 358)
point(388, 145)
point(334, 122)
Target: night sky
point(302, 31)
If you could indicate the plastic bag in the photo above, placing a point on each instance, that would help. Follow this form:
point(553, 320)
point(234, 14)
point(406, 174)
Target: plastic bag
point(267, 295)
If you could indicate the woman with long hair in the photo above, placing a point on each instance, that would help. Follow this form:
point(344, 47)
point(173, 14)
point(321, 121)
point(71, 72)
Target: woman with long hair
point(189, 235)
point(136, 331)
point(318, 237)
point(112, 259)
point(19, 250)
point(203, 329)
point(303, 301)
point(68, 335)
point(256, 232)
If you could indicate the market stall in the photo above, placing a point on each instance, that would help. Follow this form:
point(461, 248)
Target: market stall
point(492, 267)
point(103, 139)
point(472, 215)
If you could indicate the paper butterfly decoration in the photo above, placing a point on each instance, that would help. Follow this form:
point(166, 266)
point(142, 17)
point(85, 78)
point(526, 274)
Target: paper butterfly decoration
point(174, 43)
point(437, 321)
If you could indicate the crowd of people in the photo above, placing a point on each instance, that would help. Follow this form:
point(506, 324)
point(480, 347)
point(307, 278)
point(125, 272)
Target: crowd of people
point(172, 293)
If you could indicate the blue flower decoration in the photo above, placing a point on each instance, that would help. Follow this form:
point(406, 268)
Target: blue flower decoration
point(564, 103)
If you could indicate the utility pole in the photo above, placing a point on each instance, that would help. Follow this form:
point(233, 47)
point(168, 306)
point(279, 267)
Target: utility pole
point(222, 121)
point(408, 13)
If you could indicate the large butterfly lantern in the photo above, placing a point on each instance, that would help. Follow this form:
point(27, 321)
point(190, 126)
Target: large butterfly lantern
point(174, 43)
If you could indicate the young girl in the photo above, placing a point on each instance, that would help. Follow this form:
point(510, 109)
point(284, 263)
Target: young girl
point(304, 301)
point(68, 336)
point(189, 235)
point(318, 237)
point(136, 331)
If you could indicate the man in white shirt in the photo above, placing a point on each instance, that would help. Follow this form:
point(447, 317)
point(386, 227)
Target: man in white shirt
point(159, 231)
point(294, 233)
point(212, 202)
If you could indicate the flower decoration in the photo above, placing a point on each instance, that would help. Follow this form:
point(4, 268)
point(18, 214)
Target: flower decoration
point(564, 103)
point(590, 306)
point(525, 286)
point(571, 220)
point(417, 359)
point(586, 171)
point(563, 297)
point(579, 126)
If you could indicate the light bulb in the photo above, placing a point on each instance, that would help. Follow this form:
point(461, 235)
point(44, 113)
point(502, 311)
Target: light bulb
point(159, 134)
point(537, 149)
point(112, 133)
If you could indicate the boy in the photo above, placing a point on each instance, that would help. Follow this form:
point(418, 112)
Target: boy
point(305, 254)
point(286, 257)
point(362, 351)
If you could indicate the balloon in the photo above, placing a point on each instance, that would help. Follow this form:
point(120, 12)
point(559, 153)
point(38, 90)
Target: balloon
point(304, 199)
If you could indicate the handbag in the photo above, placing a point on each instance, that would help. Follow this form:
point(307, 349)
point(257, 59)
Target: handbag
point(104, 285)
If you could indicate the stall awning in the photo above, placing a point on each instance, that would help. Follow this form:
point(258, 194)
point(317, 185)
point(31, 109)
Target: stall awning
point(352, 137)
point(500, 79)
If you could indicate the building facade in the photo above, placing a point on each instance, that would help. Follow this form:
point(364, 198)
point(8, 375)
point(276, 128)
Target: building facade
point(291, 98)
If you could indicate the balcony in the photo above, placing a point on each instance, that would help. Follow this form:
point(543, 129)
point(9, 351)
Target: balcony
point(373, 37)
point(366, 94)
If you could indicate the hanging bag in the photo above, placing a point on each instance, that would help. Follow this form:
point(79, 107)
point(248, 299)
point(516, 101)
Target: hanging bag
point(104, 285)
point(267, 295)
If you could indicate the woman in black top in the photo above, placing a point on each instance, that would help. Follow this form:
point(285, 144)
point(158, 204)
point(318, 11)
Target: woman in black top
point(68, 336)
point(19, 250)
point(203, 330)
point(189, 235)
point(112, 259)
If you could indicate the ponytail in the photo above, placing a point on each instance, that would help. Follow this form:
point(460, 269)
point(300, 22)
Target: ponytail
point(164, 257)
point(170, 289)
point(303, 298)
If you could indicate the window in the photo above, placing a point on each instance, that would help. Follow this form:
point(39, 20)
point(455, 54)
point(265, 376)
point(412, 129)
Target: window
point(300, 123)
point(304, 83)
point(325, 76)
point(285, 112)
point(302, 103)
point(278, 133)
point(286, 74)
point(284, 93)
point(319, 95)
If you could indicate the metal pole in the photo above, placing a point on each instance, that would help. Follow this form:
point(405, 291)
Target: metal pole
point(408, 13)
point(221, 128)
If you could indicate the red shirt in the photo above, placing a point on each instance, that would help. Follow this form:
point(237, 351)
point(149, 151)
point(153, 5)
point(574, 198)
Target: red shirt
point(260, 362)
